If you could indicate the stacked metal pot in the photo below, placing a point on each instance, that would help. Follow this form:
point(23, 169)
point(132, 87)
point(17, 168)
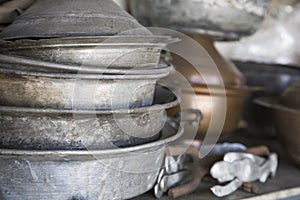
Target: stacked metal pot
point(77, 83)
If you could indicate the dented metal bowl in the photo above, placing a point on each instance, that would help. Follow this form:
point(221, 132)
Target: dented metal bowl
point(286, 117)
point(219, 18)
point(105, 174)
point(273, 80)
point(286, 122)
point(77, 91)
point(49, 129)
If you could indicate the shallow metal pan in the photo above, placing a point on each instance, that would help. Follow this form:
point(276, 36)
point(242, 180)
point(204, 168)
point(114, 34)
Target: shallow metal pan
point(106, 174)
point(286, 121)
point(30, 128)
point(273, 80)
point(285, 110)
point(97, 52)
point(79, 91)
point(31, 65)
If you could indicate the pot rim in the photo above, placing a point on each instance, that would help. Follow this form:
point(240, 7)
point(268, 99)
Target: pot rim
point(92, 41)
point(109, 152)
point(157, 106)
point(230, 90)
point(273, 103)
point(216, 35)
point(162, 71)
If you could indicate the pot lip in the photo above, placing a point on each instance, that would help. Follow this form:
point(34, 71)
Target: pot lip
point(273, 103)
point(257, 10)
point(108, 152)
point(265, 65)
point(92, 41)
point(157, 106)
point(152, 73)
point(215, 34)
point(218, 90)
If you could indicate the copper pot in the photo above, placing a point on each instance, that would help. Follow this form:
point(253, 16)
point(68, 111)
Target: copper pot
point(286, 111)
point(291, 96)
point(231, 76)
point(200, 98)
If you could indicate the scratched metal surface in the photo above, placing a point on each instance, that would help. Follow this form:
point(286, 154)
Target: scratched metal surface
point(72, 18)
point(50, 129)
point(82, 175)
point(227, 18)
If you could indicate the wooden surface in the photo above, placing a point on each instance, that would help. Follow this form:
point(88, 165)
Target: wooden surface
point(286, 183)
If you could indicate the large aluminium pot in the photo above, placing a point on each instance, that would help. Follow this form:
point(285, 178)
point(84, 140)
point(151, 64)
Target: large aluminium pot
point(97, 52)
point(286, 112)
point(200, 98)
point(79, 91)
point(90, 175)
point(50, 129)
point(221, 18)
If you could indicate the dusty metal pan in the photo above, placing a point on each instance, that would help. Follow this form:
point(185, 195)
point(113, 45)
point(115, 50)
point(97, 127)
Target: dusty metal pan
point(107, 174)
point(97, 52)
point(79, 91)
point(48, 129)
point(73, 18)
point(220, 18)
point(27, 64)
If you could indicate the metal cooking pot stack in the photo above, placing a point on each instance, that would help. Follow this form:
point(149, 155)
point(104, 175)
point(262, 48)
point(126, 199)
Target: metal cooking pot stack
point(56, 60)
point(78, 75)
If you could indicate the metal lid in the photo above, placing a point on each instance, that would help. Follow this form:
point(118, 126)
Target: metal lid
point(73, 18)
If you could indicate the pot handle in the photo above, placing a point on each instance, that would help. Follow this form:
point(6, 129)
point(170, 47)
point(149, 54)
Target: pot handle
point(177, 120)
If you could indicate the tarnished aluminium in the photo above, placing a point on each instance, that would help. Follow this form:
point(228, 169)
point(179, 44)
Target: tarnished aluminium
point(95, 33)
point(107, 174)
point(79, 91)
point(50, 129)
point(100, 53)
point(228, 19)
point(26, 64)
point(73, 18)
